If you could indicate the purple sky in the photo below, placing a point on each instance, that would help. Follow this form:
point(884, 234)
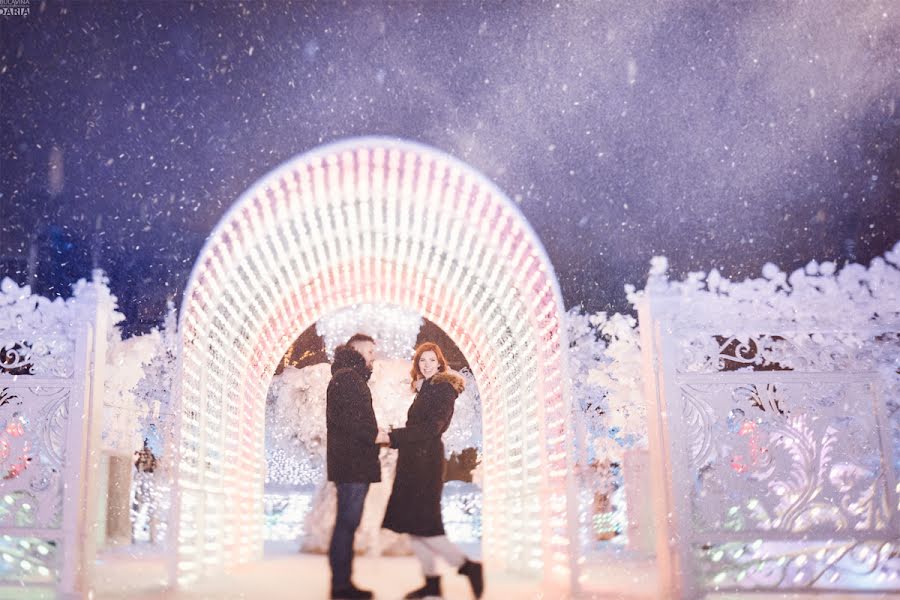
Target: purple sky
point(719, 134)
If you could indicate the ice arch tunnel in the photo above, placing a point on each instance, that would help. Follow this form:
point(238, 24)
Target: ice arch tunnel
point(374, 220)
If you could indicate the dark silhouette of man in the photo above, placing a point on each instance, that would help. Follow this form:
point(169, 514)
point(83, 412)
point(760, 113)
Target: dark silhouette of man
point(352, 454)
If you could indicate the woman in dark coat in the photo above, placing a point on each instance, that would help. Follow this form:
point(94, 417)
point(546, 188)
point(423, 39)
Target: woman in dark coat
point(415, 503)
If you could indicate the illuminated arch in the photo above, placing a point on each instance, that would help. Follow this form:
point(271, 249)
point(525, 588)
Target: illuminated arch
point(382, 221)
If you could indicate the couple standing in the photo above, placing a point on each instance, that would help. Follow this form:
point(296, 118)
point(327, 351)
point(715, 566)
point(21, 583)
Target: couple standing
point(354, 441)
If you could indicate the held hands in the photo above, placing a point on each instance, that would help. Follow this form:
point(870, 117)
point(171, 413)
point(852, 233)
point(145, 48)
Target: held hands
point(382, 439)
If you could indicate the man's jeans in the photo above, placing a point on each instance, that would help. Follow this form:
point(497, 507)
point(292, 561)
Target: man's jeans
point(350, 500)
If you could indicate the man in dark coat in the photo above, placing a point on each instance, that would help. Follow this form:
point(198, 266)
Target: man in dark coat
point(352, 453)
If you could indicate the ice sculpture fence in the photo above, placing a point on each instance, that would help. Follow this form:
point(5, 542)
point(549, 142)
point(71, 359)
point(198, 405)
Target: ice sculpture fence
point(50, 419)
point(775, 433)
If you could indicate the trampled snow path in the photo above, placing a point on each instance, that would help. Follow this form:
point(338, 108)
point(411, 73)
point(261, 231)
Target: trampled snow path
point(305, 577)
point(302, 576)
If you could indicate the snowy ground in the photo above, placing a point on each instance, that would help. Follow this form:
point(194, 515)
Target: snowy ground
point(300, 576)
point(293, 576)
point(290, 578)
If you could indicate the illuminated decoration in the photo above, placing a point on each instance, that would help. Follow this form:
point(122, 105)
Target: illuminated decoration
point(29, 561)
point(374, 221)
point(295, 427)
point(461, 511)
point(611, 525)
point(149, 504)
point(394, 328)
point(298, 468)
point(285, 515)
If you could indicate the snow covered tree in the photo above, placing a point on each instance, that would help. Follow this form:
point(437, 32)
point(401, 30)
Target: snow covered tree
point(619, 375)
point(153, 392)
point(604, 363)
point(156, 426)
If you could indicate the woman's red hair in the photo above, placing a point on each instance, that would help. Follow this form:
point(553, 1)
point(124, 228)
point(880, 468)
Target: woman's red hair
point(415, 374)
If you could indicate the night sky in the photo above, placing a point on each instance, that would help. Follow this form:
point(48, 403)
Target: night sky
point(721, 135)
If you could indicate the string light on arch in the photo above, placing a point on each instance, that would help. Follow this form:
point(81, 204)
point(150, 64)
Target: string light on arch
point(394, 328)
point(368, 229)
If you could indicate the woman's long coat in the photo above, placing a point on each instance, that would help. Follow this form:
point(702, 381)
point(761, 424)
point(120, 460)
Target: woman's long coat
point(415, 503)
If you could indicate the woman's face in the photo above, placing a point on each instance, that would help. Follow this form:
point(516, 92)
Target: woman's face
point(428, 363)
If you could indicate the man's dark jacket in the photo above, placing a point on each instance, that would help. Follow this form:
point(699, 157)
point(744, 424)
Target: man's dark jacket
point(352, 453)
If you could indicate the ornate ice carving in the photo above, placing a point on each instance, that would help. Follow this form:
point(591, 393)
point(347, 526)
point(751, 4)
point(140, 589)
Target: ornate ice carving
point(37, 335)
point(802, 460)
point(32, 443)
point(785, 385)
point(842, 563)
point(766, 457)
point(703, 352)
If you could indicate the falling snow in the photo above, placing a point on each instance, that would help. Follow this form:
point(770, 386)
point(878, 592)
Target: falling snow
point(720, 136)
